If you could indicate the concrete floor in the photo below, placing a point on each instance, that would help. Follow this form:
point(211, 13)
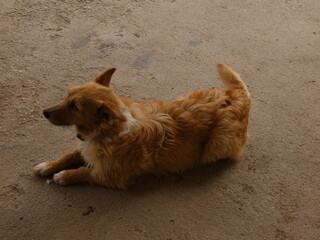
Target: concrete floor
point(163, 49)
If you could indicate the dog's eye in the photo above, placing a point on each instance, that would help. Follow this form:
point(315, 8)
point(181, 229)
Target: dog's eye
point(107, 116)
point(73, 106)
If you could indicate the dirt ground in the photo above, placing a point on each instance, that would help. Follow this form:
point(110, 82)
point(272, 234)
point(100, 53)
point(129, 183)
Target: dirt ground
point(163, 49)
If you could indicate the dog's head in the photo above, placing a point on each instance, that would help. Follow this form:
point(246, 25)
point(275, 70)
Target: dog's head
point(93, 108)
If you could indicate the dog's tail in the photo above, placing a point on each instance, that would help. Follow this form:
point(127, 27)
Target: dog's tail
point(231, 80)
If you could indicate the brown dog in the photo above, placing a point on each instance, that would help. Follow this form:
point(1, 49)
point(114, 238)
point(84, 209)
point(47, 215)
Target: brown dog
point(121, 138)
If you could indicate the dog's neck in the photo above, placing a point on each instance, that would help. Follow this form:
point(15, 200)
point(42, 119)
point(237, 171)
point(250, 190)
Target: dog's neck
point(129, 124)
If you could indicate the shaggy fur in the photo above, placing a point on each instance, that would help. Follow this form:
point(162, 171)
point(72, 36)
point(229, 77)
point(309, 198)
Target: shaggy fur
point(121, 138)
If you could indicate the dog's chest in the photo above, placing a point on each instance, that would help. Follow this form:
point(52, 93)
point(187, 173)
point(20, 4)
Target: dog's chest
point(90, 152)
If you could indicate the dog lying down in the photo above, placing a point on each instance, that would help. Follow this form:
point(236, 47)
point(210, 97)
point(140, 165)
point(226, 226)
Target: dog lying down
point(121, 138)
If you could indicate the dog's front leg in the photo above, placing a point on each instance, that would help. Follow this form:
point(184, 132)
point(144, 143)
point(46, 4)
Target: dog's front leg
point(81, 175)
point(70, 160)
point(86, 175)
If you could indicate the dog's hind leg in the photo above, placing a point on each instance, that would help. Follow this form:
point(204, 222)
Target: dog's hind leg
point(70, 160)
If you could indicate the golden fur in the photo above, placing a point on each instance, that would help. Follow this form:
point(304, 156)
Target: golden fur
point(121, 138)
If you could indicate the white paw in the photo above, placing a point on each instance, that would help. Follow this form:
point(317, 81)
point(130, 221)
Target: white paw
point(41, 168)
point(59, 178)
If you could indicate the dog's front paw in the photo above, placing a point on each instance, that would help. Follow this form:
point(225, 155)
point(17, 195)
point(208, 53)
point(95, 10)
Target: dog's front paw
point(41, 169)
point(60, 178)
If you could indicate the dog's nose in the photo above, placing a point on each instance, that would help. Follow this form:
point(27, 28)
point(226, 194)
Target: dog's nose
point(46, 113)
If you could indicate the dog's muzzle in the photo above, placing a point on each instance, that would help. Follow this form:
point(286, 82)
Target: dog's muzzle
point(80, 137)
point(46, 113)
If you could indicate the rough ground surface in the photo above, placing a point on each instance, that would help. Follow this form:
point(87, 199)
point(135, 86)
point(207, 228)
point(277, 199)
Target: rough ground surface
point(163, 49)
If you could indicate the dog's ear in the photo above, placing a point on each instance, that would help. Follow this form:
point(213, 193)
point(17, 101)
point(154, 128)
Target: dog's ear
point(110, 111)
point(105, 77)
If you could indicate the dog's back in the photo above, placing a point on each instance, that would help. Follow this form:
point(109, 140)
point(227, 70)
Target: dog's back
point(204, 126)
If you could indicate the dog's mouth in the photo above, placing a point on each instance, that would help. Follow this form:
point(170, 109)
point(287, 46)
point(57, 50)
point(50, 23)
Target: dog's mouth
point(80, 137)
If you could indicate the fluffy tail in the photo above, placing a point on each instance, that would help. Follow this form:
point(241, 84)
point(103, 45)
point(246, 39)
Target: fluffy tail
point(230, 79)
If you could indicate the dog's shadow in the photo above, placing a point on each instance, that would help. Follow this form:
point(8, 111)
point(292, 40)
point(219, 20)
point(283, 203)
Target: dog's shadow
point(192, 178)
point(199, 175)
